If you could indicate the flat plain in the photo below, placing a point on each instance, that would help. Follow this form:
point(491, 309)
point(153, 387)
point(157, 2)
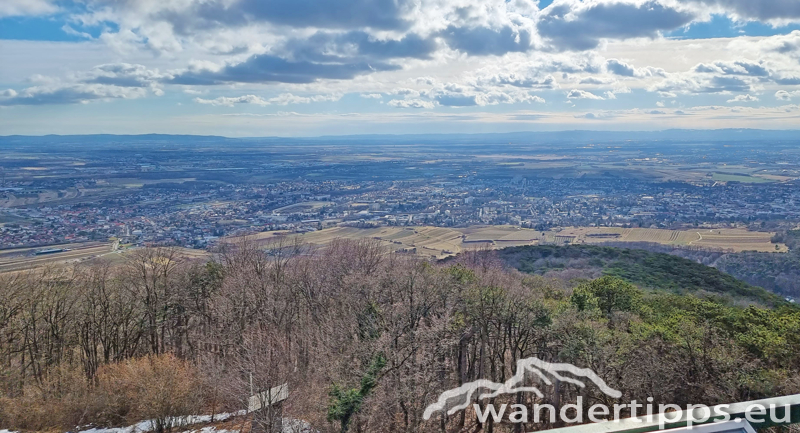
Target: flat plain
point(440, 242)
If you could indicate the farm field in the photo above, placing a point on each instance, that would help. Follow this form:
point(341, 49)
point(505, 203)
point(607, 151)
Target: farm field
point(433, 242)
point(441, 242)
point(436, 242)
point(727, 239)
point(727, 177)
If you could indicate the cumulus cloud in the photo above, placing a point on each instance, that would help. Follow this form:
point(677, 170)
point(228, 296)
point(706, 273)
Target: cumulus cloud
point(10, 8)
point(787, 79)
point(725, 84)
point(595, 116)
point(776, 11)
point(742, 67)
point(577, 25)
point(404, 91)
point(540, 72)
point(783, 95)
point(519, 80)
point(288, 98)
point(343, 14)
point(744, 98)
point(301, 47)
point(358, 45)
point(103, 82)
point(464, 95)
point(489, 27)
point(702, 83)
point(411, 103)
point(66, 28)
point(487, 41)
point(784, 44)
point(618, 67)
point(68, 94)
point(453, 95)
point(282, 99)
point(582, 94)
point(456, 95)
point(122, 75)
point(225, 101)
point(596, 80)
point(266, 68)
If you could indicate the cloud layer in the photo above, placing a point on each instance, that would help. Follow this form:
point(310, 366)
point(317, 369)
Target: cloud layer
point(590, 60)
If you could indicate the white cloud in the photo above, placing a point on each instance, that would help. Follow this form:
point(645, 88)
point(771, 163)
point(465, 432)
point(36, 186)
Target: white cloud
point(411, 103)
point(783, 95)
point(427, 54)
point(582, 94)
point(288, 98)
point(700, 83)
point(10, 8)
point(282, 99)
point(404, 91)
point(519, 80)
point(744, 98)
point(582, 25)
point(776, 12)
point(224, 101)
point(596, 116)
point(66, 28)
point(68, 93)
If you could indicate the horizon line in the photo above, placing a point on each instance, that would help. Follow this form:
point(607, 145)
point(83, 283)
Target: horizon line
point(402, 135)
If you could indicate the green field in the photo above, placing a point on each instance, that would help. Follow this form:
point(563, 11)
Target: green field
point(726, 177)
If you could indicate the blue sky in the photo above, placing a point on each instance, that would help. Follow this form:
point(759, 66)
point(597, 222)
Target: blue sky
point(307, 67)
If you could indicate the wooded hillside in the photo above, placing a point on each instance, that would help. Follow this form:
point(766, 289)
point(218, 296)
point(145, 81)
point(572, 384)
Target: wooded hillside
point(366, 340)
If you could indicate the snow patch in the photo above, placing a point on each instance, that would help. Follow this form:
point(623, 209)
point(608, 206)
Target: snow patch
point(149, 425)
point(290, 425)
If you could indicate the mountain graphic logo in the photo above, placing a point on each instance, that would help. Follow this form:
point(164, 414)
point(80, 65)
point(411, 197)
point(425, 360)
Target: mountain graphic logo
point(460, 398)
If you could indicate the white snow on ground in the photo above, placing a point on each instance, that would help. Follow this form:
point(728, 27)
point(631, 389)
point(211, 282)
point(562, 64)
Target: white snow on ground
point(149, 425)
point(291, 425)
point(191, 422)
point(210, 429)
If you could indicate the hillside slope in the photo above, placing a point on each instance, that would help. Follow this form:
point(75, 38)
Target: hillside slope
point(644, 268)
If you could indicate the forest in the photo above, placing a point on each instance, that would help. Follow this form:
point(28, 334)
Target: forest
point(779, 273)
point(654, 270)
point(367, 339)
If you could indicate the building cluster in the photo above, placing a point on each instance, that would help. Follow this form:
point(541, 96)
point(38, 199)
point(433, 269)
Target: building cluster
point(173, 214)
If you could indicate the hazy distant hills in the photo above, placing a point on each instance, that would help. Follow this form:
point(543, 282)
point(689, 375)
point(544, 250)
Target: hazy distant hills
point(671, 135)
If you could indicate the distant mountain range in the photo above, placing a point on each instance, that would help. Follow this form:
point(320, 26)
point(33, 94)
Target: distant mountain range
point(670, 135)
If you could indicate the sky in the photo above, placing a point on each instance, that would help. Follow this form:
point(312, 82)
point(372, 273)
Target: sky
point(333, 67)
